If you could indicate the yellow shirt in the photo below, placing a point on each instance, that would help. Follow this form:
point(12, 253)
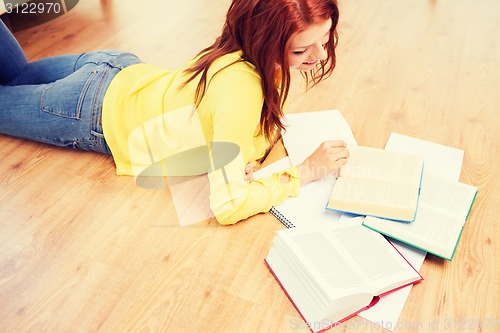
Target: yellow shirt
point(153, 128)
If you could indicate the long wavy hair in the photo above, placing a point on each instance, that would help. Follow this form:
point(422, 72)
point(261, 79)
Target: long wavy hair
point(262, 31)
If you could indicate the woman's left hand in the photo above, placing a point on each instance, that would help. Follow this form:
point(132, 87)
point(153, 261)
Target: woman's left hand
point(249, 171)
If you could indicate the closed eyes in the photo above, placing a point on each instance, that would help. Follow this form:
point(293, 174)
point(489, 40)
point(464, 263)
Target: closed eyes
point(299, 52)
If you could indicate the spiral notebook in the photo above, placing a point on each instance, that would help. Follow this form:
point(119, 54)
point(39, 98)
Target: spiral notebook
point(282, 218)
point(308, 209)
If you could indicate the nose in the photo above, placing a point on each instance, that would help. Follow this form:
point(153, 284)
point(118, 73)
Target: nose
point(319, 52)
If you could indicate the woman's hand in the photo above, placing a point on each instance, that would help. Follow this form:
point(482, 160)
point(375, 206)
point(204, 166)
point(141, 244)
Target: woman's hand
point(249, 172)
point(327, 159)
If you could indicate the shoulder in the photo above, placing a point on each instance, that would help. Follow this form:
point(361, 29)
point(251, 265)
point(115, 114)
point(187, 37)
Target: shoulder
point(233, 64)
point(234, 75)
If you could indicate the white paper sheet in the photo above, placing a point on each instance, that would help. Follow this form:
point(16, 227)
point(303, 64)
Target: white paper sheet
point(308, 209)
point(441, 161)
point(306, 131)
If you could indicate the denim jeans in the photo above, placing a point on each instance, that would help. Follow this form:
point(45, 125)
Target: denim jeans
point(56, 100)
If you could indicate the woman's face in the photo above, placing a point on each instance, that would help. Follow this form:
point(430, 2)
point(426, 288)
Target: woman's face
point(307, 46)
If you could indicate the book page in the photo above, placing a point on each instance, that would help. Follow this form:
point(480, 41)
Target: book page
point(348, 258)
point(390, 306)
point(451, 197)
point(375, 192)
point(432, 231)
point(441, 215)
point(368, 162)
point(317, 314)
point(323, 261)
point(376, 261)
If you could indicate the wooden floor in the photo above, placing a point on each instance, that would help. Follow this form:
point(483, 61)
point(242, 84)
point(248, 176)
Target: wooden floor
point(82, 250)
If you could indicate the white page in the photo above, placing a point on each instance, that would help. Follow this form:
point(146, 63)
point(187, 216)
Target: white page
point(442, 212)
point(331, 271)
point(308, 209)
point(390, 306)
point(441, 161)
point(306, 131)
point(377, 263)
point(451, 197)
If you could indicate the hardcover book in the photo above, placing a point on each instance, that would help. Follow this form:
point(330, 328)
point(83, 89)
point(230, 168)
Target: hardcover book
point(443, 210)
point(332, 273)
point(378, 182)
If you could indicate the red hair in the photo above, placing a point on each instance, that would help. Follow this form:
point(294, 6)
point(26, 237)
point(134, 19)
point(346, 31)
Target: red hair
point(262, 30)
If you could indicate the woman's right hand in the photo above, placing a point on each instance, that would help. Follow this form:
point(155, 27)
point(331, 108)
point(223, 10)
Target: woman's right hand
point(326, 159)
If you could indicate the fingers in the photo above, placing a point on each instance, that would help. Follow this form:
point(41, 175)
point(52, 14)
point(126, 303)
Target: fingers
point(335, 151)
point(340, 154)
point(336, 159)
point(327, 159)
point(249, 171)
point(335, 143)
point(249, 167)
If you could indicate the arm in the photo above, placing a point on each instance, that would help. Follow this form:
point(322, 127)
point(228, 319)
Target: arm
point(235, 99)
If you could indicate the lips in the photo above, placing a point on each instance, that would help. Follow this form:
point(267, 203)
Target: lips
point(309, 63)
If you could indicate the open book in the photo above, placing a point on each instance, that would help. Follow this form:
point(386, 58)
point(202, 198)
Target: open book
point(380, 183)
point(443, 210)
point(332, 273)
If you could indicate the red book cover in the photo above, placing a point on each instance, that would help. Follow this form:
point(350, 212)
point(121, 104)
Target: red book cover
point(325, 325)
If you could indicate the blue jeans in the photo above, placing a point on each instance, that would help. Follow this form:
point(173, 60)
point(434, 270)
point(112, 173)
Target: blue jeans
point(56, 100)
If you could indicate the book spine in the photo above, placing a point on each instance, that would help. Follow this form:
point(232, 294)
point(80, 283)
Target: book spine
point(286, 222)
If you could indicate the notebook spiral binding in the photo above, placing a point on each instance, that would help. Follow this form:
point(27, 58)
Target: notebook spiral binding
point(286, 222)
